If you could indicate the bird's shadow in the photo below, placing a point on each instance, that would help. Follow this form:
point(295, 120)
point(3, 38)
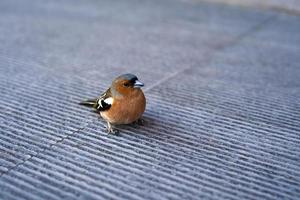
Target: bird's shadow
point(150, 126)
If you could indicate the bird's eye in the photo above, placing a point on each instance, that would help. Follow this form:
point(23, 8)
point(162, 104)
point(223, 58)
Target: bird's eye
point(126, 84)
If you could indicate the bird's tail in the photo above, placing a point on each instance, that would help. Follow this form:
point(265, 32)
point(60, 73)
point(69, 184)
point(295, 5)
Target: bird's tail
point(89, 102)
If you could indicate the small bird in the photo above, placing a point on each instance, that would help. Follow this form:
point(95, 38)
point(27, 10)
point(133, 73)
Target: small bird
point(123, 103)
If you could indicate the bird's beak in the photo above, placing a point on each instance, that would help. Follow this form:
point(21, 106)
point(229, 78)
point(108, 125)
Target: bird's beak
point(138, 84)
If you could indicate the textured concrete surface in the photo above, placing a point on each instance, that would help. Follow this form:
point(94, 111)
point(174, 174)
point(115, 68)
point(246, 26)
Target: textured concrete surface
point(222, 118)
point(290, 6)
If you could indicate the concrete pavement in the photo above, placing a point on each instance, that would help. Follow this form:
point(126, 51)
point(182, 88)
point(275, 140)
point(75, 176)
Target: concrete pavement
point(222, 84)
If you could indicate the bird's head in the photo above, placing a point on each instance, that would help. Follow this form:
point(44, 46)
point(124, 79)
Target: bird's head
point(126, 83)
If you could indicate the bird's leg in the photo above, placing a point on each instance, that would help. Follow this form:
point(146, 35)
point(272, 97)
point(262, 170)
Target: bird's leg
point(110, 129)
point(137, 123)
point(141, 122)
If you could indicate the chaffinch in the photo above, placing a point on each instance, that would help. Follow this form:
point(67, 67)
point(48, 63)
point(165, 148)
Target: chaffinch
point(123, 103)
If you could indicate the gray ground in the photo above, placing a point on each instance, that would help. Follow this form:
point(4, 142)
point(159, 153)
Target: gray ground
point(289, 6)
point(222, 118)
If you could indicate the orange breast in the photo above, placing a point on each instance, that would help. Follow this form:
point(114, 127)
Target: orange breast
point(127, 109)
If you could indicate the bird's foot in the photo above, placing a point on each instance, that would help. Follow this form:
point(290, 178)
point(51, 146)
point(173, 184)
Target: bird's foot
point(137, 123)
point(113, 132)
point(110, 129)
point(141, 122)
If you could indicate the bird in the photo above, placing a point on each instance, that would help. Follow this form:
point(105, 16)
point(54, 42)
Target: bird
point(122, 103)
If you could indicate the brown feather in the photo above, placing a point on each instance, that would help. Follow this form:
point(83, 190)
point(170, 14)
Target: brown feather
point(126, 109)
